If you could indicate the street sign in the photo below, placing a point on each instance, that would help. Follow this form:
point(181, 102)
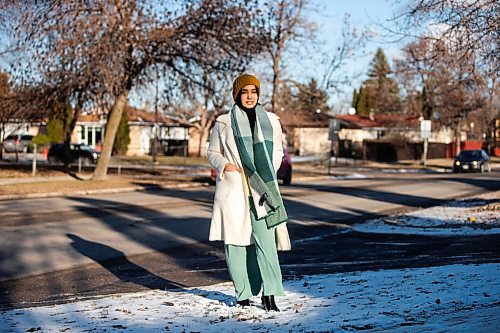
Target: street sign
point(425, 129)
point(333, 129)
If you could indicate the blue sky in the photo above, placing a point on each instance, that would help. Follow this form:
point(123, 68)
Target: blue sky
point(365, 14)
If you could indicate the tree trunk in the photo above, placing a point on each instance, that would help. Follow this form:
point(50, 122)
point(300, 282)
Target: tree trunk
point(457, 139)
point(276, 73)
point(426, 149)
point(67, 132)
point(204, 132)
point(115, 115)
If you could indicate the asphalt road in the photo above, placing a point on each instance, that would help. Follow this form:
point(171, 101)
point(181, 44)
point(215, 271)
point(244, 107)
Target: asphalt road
point(62, 249)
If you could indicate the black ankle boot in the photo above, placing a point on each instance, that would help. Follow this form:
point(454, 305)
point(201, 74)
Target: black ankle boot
point(269, 304)
point(244, 302)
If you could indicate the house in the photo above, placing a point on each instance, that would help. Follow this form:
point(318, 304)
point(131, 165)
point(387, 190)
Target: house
point(384, 137)
point(495, 149)
point(172, 137)
point(306, 132)
point(390, 137)
point(19, 126)
point(89, 129)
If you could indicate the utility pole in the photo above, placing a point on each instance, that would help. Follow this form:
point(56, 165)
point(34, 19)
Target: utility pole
point(155, 126)
point(333, 136)
point(425, 133)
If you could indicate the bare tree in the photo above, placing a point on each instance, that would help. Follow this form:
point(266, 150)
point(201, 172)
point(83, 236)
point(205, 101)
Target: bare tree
point(286, 25)
point(112, 46)
point(18, 104)
point(351, 41)
point(5, 102)
point(470, 28)
point(446, 83)
point(206, 100)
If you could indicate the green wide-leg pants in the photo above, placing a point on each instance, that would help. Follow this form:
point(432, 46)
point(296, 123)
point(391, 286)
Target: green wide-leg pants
point(255, 266)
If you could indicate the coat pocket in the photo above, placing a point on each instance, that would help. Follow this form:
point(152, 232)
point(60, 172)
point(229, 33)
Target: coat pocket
point(230, 197)
point(229, 187)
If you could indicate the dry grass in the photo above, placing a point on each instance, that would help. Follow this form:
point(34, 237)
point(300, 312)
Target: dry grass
point(27, 173)
point(64, 186)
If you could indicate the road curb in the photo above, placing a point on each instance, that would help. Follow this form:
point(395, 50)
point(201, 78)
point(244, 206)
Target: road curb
point(7, 197)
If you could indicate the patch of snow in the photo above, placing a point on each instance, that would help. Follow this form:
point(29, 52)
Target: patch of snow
point(351, 176)
point(402, 170)
point(458, 298)
point(461, 217)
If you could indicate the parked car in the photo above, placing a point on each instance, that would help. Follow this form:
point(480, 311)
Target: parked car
point(17, 142)
point(86, 154)
point(472, 160)
point(284, 172)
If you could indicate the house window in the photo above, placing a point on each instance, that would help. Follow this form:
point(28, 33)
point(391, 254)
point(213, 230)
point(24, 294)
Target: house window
point(98, 136)
point(89, 137)
point(83, 138)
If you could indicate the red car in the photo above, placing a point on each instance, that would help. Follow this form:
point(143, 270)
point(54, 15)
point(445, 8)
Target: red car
point(284, 172)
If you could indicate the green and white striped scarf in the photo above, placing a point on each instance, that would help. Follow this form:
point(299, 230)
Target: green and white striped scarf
point(256, 153)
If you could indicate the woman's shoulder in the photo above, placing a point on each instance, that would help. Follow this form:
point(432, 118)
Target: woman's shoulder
point(223, 118)
point(272, 116)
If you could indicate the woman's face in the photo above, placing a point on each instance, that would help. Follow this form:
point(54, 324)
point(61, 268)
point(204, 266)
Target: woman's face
point(249, 96)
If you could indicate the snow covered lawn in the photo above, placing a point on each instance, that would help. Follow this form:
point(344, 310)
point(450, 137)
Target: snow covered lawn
point(458, 298)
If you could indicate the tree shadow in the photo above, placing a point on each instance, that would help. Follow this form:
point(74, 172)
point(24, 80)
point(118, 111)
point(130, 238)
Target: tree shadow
point(377, 195)
point(117, 263)
point(214, 295)
point(487, 184)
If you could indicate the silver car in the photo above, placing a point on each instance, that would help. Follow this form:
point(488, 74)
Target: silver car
point(17, 142)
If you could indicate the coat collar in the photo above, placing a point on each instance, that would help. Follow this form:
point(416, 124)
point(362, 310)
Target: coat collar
point(225, 118)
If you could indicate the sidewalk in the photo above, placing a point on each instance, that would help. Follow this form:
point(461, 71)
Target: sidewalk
point(55, 186)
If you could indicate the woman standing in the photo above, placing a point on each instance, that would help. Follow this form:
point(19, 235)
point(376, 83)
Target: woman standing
point(248, 214)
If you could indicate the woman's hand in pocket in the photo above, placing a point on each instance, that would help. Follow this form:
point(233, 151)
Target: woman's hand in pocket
point(231, 168)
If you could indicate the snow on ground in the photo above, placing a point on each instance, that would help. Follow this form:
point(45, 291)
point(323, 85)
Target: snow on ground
point(472, 216)
point(453, 298)
point(351, 176)
point(458, 298)
point(402, 170)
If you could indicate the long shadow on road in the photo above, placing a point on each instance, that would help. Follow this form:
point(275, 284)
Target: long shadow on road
point(117, 263)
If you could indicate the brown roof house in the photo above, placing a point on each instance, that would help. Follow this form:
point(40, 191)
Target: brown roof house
point(389, 137)
point(306, 132)
point(172, 137)
point(89, 129)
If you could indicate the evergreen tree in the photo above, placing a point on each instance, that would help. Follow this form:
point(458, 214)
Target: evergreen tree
point(287, 100)
point(55, 130)
point(355, 97)
point(361, 103)
point(122, 139)
point(382, 91)
point(59, 118)
point(379, 66)
point(311, 98)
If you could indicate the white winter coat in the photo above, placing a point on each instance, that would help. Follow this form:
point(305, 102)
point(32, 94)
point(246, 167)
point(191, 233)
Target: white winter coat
point(231, 212)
